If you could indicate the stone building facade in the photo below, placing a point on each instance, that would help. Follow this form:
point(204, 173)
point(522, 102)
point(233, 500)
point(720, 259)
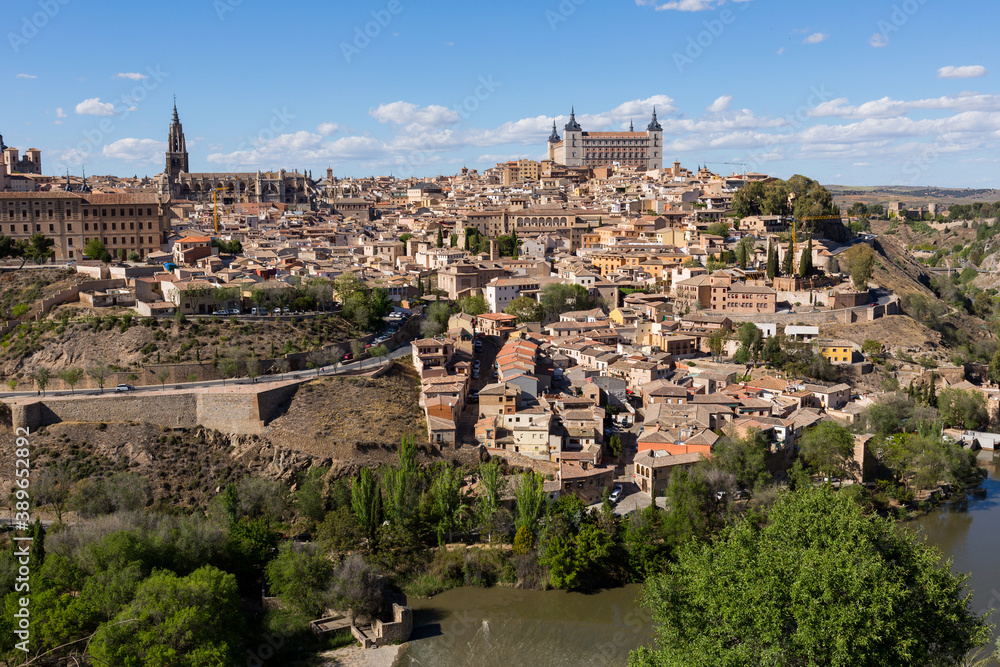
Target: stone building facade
point(178, 182)
point(576, 148)
point(123, 222)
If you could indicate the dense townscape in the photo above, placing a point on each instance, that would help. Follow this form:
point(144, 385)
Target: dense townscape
point(619, 372)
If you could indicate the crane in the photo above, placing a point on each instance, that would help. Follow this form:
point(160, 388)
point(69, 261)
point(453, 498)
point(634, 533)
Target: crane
point(738, 164)
point(215, 204)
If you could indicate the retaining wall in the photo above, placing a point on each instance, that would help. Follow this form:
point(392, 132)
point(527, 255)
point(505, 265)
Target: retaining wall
point(240, 412)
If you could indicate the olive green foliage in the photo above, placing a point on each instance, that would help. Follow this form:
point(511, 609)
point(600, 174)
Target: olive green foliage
point(558, 298)
point(828, 448)
point(436, 319)
point(183, 621)
point(860, 265)
point(811, 199)
point(363, 306)
point(525, 309)
point(819, 584)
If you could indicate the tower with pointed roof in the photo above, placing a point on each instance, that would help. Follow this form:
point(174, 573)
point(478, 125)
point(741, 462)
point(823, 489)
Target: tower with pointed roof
point(177, 155)
point(654, 147)
point(572, 141)
point(553, 141)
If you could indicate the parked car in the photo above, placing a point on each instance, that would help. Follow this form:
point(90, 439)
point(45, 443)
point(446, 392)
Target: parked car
point(258, 311)
point(124, 387)
point(616, 493)
point(348, 356)
point(475, 374)
point(221, 311)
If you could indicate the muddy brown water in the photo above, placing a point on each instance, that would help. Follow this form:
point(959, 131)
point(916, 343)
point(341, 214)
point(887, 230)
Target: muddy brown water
point(504, 627)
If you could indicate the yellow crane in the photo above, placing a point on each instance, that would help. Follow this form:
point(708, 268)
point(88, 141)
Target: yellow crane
point(215, 204)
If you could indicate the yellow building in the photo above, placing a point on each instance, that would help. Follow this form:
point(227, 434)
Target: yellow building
point(837, 351)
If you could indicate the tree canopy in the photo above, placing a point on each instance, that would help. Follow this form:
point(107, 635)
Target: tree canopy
point(820, 583)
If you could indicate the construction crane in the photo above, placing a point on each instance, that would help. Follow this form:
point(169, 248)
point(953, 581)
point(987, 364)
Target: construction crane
point(738, 164)
point(215, 204)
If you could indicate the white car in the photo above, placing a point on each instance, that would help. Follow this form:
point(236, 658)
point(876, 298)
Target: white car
point(616, 493)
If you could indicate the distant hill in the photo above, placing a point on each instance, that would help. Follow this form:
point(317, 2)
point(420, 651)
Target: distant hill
point(911, 194)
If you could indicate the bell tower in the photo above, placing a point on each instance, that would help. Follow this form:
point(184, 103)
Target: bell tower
point(177, 156)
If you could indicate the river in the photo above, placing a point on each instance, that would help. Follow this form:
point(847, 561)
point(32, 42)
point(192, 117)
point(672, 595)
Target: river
point(968, 531)
point(504, 627)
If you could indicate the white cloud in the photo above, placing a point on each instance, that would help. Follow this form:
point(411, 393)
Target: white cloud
point(878, 40)
point(963, 72)
point(26, 76)
point(684, 5)
point(327, 129)
point(815, 38)
point(407, 113)
point(60, 113)
point(134, 76)
point(94, 107)
point(781, 50)
point(888, 108)
point(720, 104)
point(135, 150)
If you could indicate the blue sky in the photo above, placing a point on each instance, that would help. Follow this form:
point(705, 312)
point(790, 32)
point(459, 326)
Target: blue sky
point(853, 92)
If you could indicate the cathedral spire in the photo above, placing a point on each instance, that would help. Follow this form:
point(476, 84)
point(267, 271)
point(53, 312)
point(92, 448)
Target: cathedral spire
point(176, 119)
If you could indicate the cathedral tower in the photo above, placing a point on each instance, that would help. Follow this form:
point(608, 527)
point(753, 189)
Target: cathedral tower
point(177, 156)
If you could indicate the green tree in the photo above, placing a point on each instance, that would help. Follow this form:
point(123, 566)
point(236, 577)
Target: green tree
point(558, 298)
point(366, 501)
point(718, 229)
point(448, 500)
point(71, 376)
point(100, 372)
point(440, 238)
point(529, 498)
point(751, 343)
point(41, 378)
point(436, 319)
point(773, 355)
point(963, 409)
point(871, 347)
point(772, 260)
point(749, 199)
point(717, 341)
point(805, 264)
point(828, 448)
point(788, 261)
point(492, 488)
point(190, 621)
point(94, 249)
point(301, 578)
point(819, 569)
point(615, 446)
point(525, 309)
point(39, 249)
point(474, 305)
point(860, 265)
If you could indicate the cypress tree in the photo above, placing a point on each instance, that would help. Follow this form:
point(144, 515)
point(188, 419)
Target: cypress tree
point(805, 265)
point(440, 238)
point(788, 263)
point(772, 260)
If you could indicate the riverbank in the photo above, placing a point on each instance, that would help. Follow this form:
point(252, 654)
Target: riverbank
point(355, 656)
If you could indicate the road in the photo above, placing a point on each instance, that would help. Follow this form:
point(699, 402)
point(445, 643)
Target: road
point(335, 369)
